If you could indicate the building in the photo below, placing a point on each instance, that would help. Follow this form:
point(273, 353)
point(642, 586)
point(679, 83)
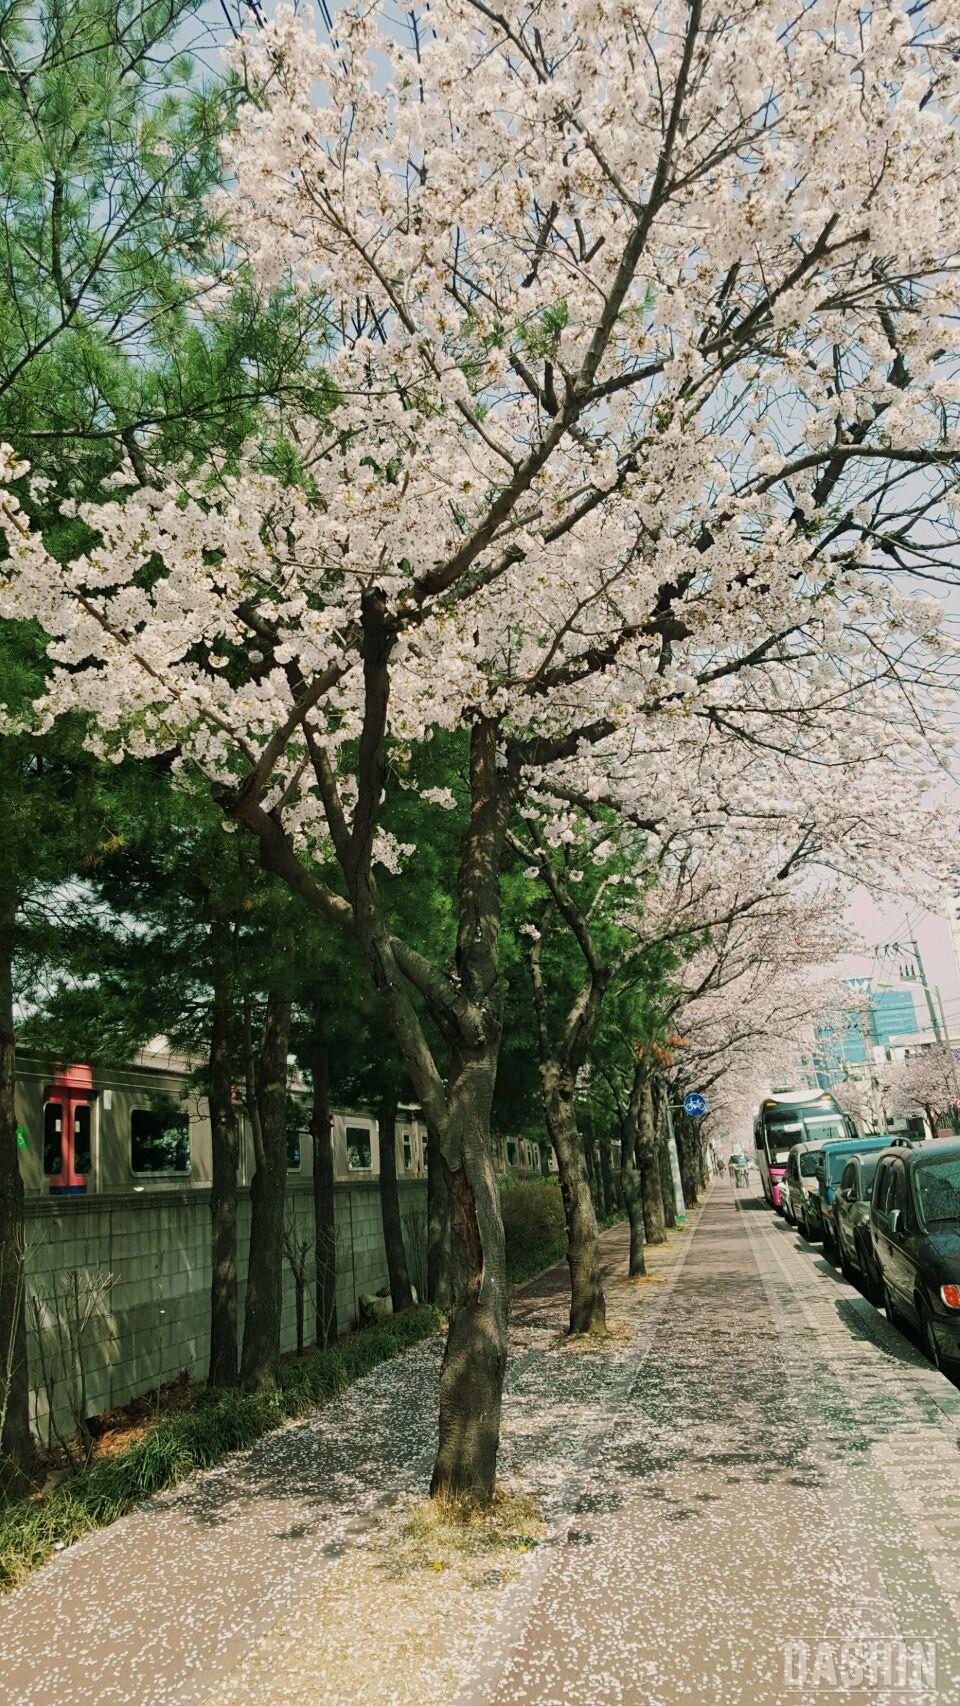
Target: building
point(878, 1018)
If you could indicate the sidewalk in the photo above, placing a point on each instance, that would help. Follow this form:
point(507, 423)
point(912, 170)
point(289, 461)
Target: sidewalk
point(175, 1602)
point(755, 1472)
point(785, 1482)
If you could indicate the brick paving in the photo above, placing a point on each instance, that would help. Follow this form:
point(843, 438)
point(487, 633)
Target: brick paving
point(760, 1474)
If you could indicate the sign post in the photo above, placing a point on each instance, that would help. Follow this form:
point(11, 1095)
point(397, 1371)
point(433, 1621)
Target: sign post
point(679, 1203)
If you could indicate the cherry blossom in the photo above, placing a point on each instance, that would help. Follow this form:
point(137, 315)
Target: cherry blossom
point(638, 464)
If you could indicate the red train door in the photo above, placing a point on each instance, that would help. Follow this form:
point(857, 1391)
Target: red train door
point(68, 1130)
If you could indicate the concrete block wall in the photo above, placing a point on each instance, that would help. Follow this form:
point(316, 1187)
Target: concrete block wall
point(153, 1322)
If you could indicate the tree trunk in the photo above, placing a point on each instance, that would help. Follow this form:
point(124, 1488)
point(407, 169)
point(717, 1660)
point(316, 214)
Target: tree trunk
point(400, 1293)
point(647, 1160)
point(593, 1171)
point(632, 1197)
point(606, 1176)
point(261, 1325)
point(438, 1224)
point(223, 1176)
point(324, 1201)
point(470, 1013)
point(931, 1118)
point(16, 1442)
point(475, 1359)
point(689, 1161)
point(588, 1310)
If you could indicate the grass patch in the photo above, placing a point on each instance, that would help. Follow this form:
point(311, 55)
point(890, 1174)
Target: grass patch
point(177, 1445)
point(458, 1534)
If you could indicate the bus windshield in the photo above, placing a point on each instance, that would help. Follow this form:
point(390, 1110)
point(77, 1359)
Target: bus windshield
point(783, 1127)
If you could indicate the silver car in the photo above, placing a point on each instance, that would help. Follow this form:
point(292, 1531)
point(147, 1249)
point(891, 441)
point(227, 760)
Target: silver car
point(799, 1185)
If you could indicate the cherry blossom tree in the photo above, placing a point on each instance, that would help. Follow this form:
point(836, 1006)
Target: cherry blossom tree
point(642, 342)
point(926, 1081)
point(746, 1008)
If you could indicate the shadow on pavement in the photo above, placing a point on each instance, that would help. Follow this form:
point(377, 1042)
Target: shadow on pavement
point(875, 1329)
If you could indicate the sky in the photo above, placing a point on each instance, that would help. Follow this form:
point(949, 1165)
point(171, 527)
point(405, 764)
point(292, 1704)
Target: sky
point(882, 924)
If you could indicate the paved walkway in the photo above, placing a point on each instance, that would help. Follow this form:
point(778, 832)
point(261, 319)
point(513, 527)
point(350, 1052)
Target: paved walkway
point(782, 1492)
point(757, 1487)
point(168, 1602)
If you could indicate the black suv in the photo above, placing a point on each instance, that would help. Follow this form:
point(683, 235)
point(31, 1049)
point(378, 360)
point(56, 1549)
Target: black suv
point(915, 1236)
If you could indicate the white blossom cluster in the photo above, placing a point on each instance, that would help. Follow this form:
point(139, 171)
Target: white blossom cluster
point(644, 415)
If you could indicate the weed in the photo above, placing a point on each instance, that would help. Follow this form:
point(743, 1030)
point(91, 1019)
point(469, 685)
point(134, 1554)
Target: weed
point(439, 1534)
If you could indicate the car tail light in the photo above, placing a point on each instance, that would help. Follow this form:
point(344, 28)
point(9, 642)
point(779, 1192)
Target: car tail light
point(951, 1296)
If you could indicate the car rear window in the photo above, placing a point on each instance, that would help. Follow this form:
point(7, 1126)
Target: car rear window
point(937, 1184)
point(834, 1161)
point(808, 1163)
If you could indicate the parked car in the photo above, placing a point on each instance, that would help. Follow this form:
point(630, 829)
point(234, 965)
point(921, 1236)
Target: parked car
point(800, 1180)
point(784, 1194)
point(833, 1159)
point(915, 1229)
point(851, 1223)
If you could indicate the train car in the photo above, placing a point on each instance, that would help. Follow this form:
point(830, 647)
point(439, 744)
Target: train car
point(100, 1131)
point(91, 1130)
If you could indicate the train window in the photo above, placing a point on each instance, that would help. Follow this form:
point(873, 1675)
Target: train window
point(82, 1153)
point(160, 1137)
point(359, 1149)
point(53, 1139)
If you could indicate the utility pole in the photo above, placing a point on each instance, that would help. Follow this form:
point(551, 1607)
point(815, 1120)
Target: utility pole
point(951, 1064)
point(943, 1017)
point(915, 973)
point(931, 1009)
point(938, 1023)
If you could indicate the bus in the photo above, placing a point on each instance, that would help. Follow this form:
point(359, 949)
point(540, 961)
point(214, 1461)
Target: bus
point(787, 1117)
